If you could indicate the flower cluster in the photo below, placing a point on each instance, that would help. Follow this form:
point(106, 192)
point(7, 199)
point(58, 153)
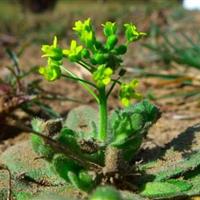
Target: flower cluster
point(128, 92)
point(74, 53)
point(101, 58)
point(102, 75)
point(54, 54)
point(131, 33)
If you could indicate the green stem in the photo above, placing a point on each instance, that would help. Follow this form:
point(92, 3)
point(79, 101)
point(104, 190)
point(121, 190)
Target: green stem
point(86, 66)
point(112, 86)
point(102, 114)
point(80, 80)
point(85, 85)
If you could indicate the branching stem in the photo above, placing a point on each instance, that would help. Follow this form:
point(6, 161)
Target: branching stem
point(112, 86)
point(84, 84)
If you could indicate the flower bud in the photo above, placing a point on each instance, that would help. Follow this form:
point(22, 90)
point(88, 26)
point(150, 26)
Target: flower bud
point(122, 49)
point(85, 53)
point(100, 58)
point(111, 42)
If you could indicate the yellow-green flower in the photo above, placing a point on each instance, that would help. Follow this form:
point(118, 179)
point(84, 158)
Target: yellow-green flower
point(128, 92)
point(109, 28)
point(74, 53)
point(131, 33)
point(102, 76)
point(83, 26)
point(85, 32)
point(52, 51)
point(52, 71)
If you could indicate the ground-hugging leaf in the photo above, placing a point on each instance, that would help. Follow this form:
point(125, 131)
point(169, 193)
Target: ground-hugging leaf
point(178, 168)
point(24, 162)
point(195, 181)
point(38, 144)
point(175, 163)
point(73, 141)
point(41, 148)
point(37, 125)
point(21, 160)
point(64, 165)
point(84, 121)
point(167, 189)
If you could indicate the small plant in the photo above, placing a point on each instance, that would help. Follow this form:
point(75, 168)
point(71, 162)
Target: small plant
point(92, 148)
point(95, 148)
point(101, 154)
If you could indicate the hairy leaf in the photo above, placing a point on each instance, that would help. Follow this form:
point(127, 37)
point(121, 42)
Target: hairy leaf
point(83, 120)
point(179, 168)
point(166, 189)
point(131, 124)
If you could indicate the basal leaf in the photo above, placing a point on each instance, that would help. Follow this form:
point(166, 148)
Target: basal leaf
point(166, 189)
point(84, 121)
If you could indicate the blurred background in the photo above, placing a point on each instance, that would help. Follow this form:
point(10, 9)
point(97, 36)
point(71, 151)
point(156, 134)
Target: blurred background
point(166, 61)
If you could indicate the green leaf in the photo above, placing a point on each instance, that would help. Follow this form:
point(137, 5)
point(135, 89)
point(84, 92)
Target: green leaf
point(195, 181)
point(23, 196)
point(62, 165)
point(130, 125)
point(150, 112)
point(41, 148)
point(133, 121)
point(181, 184)
point(38, 125)
point(68, 137)
point(74, 180)
point(86, 180)
point(84, 121)
point(179, 168)
point(38, 144)
point(166, 189)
